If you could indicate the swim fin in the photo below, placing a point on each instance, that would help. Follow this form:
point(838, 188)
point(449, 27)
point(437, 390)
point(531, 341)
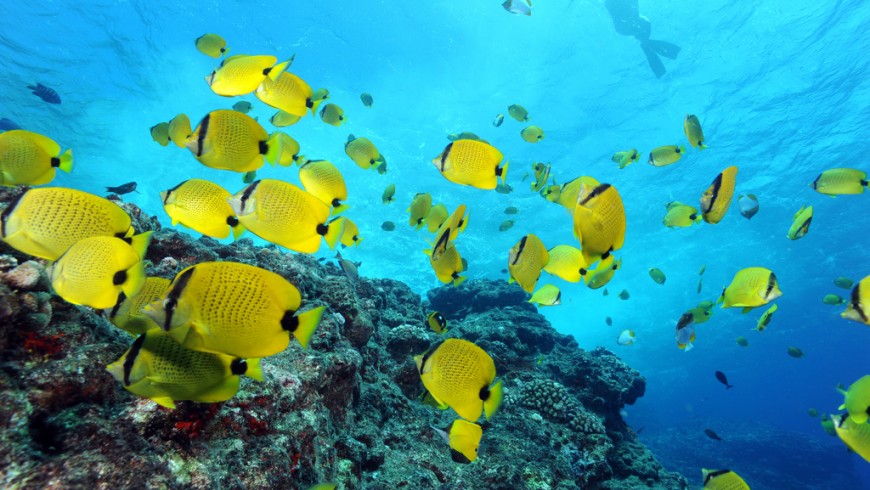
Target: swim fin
point(652, 58)
point(664, 48)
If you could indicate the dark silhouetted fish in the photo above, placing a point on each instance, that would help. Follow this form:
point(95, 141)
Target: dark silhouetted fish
point(45, 93)
point(712, 435)
point(723, 379)
point(123, 189)
point(8, 125)
point(349, 268)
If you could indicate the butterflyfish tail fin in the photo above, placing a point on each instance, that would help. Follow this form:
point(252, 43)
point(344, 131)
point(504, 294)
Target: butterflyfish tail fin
point(273, 148)
point(491, 404)
point(140, 243)
point(502, 171)
point(66, 161)
point(278, 69)
point(333, 234)
point(136, 275)
point(254, 371)
point(238, 230)
point(306, 325)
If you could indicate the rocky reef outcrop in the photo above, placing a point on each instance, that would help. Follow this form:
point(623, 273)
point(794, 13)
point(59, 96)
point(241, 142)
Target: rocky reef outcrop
point(346, 409)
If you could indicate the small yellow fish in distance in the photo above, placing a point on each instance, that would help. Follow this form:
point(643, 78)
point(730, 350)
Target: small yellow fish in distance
point(202, 206)
point(599, 221)
point(566, 194)
point(389, 194)
point(548, 295)
point(179, 130)
point(229, 140)
point(448, 266)
point(332, 114)
point(855, 435)
point(463, 438)
point(518, 112)
point(532, 134)
point(723, 480)
point(323, 179)
point(526, 260)
point(566, 262)
point(28, 158)
point(694, 133)
point(159, 368)
point(362, 151)
point(95, 270)
point(285, 215)
point(288, 148)
point(242, 74)
point(286, 92)
point(235, 309)
point(351, 236)
point(625, 158)
point(127, 313)
point(800, 224)
point(666, 155)
point(160, 133)
point(317, 97)
point(751, 287)
point(717, 198)
point(283, 119)
point(748, 205)
point(419, 209)
point(451, 227)
point(601, 275)
point(46, 222)
point(840, 181)
point(437, 322)
point(765, 319)
point(461, 374)
point(680, 215)
point(626, 337)
point(857, 400)
point(436, 217)
point(542, 174)
point(212, 45)
point(657, 275)
point(471, 162)
point(859, 303)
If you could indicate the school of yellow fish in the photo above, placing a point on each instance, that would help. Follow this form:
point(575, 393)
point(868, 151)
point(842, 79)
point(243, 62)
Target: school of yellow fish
point(199, 332)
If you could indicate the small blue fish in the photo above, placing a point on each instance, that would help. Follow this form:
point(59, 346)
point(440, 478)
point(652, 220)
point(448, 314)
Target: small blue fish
point(45, 93)
point(8, 125)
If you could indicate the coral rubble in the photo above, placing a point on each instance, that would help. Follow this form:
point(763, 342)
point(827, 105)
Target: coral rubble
point(347, 409)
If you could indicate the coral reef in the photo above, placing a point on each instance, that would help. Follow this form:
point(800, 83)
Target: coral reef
point(344, 410)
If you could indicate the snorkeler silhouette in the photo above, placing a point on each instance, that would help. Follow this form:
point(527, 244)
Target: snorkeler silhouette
point(628, 22)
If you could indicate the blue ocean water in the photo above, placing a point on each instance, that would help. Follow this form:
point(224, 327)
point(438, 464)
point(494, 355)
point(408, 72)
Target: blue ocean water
point(781, 88)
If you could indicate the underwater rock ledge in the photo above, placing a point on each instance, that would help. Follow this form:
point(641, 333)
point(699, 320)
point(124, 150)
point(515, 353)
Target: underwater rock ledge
point(345, 410)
